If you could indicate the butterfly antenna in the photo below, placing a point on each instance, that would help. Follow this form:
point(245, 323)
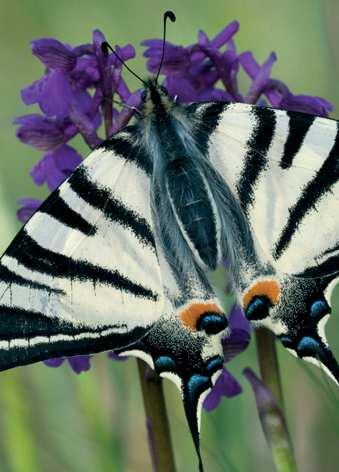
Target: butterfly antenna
point(171, 16)
point(105, 46)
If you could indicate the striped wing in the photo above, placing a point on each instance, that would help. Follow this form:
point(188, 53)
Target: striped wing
point(284, 168)
point(83, 275)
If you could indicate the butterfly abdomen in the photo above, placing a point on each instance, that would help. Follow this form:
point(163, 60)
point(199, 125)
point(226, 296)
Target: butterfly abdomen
point(192, 205)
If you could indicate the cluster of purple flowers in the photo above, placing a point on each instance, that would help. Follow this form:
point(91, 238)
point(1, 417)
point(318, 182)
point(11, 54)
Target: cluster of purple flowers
point(77, 94)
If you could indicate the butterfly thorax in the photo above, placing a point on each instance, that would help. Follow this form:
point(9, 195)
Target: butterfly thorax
point(181, 188)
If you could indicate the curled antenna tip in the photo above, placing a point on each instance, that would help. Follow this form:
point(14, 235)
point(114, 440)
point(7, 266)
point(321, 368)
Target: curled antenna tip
point(169, 14)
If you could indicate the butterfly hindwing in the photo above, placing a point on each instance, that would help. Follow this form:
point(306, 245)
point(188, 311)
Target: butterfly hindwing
point(283, 169)
point(83, 274)
point(185, 345)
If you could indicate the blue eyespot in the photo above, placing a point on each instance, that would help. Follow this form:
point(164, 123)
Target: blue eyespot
point(164, 363)
point(319, 309)
point(307, 347)
point(286, 341)
point(258, 309)
point(198, 382)
point(215, 364)
point(212, 323)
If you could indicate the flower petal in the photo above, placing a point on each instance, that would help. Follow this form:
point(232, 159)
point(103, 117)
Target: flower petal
point(249, 64)
point(237, 320)
point(98, 38)
point(41, 132)
point(56, 166)
point(79, 363)
point(306, 104)
point(54, 54)
point(182, 87)
point(32, 92)
point(66, 159)
point(260, 80)
point(56, 95)
point(177, 58)
point(29, 207)
point(125, 53)
point(55, 362)
point(116, 357)
point(240, 336)
point(225, 386)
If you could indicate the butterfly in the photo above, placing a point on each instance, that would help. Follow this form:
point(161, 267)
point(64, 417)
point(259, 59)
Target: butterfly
point(117, 257)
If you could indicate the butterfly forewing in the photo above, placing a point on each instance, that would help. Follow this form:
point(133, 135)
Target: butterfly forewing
point(83, 274)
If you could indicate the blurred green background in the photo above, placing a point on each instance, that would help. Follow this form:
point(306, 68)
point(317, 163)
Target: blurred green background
point(52, 419)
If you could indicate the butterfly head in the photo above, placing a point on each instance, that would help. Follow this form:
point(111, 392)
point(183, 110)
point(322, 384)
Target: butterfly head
point(155, 98)
point(296, 310)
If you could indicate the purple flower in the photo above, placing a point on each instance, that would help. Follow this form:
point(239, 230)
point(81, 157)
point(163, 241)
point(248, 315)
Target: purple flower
point(225, 386)
point(53, 93)
point(56, 166)
point(276, 91)
point(28, 208)
point(53, 54)
point(260, 76)
point(116, 357)
point(78, 363)
point(238, 340)
point(240, 335)
point(42, 132)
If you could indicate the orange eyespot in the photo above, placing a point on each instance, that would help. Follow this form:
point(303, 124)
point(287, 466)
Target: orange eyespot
point(268, 288)
point(191, 314)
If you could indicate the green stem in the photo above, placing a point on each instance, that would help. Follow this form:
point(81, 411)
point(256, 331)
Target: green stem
point(272, 414)
point(268, 363)
point(159, 439)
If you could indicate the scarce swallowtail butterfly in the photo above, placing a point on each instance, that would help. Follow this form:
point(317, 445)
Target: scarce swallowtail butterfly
point(116, 257)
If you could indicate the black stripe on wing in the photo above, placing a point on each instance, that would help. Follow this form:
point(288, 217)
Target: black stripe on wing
point(38, 259)
point(9, 277)
point(128, 149)
point(111, 207)
point(326, 268)
point(299, 124)
point(19, 323)
point(255, 159)
point(56, 207)
point(205, 120)
point(31, 352)
point(324, 179)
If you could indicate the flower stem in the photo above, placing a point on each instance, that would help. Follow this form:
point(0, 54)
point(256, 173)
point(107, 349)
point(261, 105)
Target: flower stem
point(268, 363)
point(159, 439)
point(272, 412)
point(107, 108)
